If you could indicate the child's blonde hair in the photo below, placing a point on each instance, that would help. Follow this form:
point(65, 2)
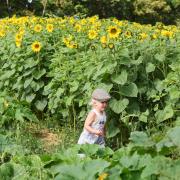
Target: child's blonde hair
point(93, 102)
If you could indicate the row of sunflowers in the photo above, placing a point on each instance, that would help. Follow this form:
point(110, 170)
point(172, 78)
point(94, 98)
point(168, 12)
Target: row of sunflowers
point(105, 32)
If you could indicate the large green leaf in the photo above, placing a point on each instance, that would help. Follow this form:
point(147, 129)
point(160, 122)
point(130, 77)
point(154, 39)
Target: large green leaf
point(124, 52)
point(143, 116)
point(141, 139)
point(6, 171)
point(174, 135)
point(118, 106)
point(166, 113)
point(74, 86)
point(106, 86)
point(27, 82)
point(129, 90)
point(74, 171)
point(160, 57)
point(41, 104)
point(89, 149)
point(95, 166)
point(130, 161)
point(30, 62)
point(150, 67)
point(37, 85)
point(27, 113)
point(112, 130)
point(7, 74)
point(39, 73)
point(30, 97)
point(121, 78)
point(155, 166)
point(19, 115)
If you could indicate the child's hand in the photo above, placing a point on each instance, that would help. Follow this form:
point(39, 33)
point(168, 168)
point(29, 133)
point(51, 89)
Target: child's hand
point(99, 133)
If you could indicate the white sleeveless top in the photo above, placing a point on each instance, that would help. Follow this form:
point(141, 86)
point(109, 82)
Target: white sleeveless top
point(89, 138)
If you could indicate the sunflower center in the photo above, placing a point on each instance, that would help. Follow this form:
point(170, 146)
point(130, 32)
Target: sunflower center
point(36, 46)
point(113, 30)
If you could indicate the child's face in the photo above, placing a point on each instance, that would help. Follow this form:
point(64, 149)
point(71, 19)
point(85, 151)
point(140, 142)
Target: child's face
point(101, 106)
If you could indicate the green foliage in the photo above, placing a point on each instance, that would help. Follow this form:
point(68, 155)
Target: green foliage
point(24, 72)
point(13, 111)
point(140, 71)
point(155, 9)
point(143, 158)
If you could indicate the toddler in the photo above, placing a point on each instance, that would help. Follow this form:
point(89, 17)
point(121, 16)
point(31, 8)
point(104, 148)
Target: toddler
point(94, 131)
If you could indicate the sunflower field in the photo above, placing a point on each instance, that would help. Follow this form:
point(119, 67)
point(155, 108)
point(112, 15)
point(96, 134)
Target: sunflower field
point(49, 68)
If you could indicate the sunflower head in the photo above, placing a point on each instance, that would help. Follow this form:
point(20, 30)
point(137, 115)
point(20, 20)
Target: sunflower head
point(103, 39)
point(18, 37)
point(18, 43)
point(50, 27)
point(36, 46)
point(2, 33)
point(78, 27)
point(93, 48)
point(143, 36)
point(104, 46)
point(166, 33)
point(92, 34)
point(113, 31)
point(38, 28)
point(111, 46)
point(154, 36)
point(72, 45)
point(128, 34)
point(102, 176)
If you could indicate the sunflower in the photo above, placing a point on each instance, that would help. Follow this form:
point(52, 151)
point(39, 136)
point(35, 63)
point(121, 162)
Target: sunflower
point(128, 34)
point(113, 31)
point(93, 48)
point(21, 30)
point(154, 36)
point(104, 46)
point(83, 21)
point(38, 28)
point(36, 46)
point(167, 33)
point(93, 19)
point(18, 43)
point(72, 45)
point(111, 45)
point(92, 34)
point(50, 27)
point(18, 37)
point(2, 33)
point(143, 36)
point(78, 27)
point(103, 176)
point(67, 39)
point(103, 39)
point(75, 45)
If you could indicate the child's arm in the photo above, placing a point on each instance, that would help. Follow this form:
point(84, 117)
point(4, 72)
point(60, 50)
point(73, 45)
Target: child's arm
point(89, 120)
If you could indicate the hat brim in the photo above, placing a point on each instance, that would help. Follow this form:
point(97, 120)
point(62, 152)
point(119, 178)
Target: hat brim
point(102, 100)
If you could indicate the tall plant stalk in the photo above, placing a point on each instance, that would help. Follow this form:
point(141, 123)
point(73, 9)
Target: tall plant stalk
point(44, 3)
